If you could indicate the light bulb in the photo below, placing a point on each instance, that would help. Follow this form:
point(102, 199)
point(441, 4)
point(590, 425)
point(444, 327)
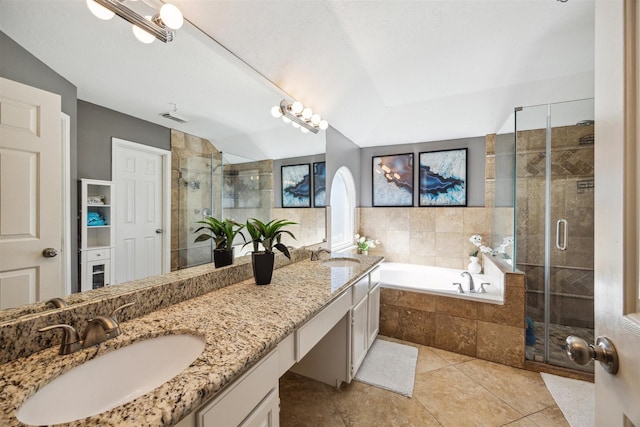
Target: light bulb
point(304, 130)
point(297, 107)
point(307, 113)
point(295, 125)
point(99, 11)
point(323, 124)
point(286, 119)
point(315, 119)
point(276, 112)
point(171, 16)
point(142, 35)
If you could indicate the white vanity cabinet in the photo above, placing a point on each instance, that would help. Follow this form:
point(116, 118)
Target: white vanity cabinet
point(359, 328)
point(97, 235)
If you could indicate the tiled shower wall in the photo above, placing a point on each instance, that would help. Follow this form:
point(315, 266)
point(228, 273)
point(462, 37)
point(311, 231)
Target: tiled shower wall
point(572, 177)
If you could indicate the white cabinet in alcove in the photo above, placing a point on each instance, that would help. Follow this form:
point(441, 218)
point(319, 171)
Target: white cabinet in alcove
point(97, 234)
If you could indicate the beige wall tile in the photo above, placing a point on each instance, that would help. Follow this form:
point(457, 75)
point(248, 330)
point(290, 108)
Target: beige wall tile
point(423, 243)
point(449, 219)
point(456, 334)
point(512, 313)
point(389, 296)
point(422, 259)
point(476, 221)
point(396, 219)
point(416, 300)
point(422, 219)
point(389, 320)
point(502, 344)
point(456, 306)
point(458, 263)
point(451, 245)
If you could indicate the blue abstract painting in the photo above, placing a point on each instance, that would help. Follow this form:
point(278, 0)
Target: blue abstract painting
point(393, 180)
point(319, 185)
point(296, 186)
point(443, 178)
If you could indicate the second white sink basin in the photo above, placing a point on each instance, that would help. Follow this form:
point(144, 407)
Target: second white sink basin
point(111, 380)
point(341, 262)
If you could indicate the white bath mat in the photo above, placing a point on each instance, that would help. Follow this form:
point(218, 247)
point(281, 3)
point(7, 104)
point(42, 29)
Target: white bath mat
point(390, 366)
point(576, 399)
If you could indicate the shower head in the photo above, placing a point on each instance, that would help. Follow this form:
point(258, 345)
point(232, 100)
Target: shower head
point(585, 123)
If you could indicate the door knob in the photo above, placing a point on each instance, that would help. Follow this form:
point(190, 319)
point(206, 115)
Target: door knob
point(158, 230)
point(49, 253)
point(604, 352)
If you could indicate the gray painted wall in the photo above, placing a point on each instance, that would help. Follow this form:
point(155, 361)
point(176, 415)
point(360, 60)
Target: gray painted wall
point(476, 156)
point(277, 174)
point(341, 151)
point(19, 65)
point(97, 125)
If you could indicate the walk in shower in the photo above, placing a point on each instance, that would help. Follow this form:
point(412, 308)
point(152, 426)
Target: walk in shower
point(554, 217)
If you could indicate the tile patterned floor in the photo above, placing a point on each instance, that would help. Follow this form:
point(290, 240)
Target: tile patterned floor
point(450, 390)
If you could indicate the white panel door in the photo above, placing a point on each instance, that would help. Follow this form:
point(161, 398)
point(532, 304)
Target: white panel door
point(617, 209)
point(30, 194)
point(139, 212)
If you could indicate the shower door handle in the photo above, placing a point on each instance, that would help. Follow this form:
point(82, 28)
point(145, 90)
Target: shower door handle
point(562, 246)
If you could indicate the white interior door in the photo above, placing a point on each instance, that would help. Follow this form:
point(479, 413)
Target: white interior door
point(141, 231)
point(617, 211)
point(30, 194)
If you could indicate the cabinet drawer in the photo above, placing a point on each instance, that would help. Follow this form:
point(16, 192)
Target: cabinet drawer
point(313, 331)
point(360, 289)
point(98, 254)
point(243, 396)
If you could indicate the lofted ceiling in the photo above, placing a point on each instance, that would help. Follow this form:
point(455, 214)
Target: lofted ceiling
point(381, 72)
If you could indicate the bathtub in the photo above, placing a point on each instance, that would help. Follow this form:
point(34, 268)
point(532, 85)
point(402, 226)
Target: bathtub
point(438, 281)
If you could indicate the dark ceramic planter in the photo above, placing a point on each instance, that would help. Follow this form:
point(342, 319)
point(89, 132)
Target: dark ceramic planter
point(262, 267)
point(222, 257)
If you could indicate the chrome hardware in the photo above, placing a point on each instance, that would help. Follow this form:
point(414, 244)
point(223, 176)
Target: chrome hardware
point(158, 230)
point(49, 253)
point(56, 303)
point(472, 287)
point(482, 290)
point(563, 246)
point(315, 255)
point(604, 352)
point(70, 340)
point(459, 290)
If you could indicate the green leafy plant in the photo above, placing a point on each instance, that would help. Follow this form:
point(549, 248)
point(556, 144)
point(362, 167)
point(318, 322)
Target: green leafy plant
point(269, 234)
point(222, 232)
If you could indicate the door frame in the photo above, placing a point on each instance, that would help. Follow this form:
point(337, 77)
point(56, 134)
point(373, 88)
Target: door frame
point(117, 143)
point(65, 130)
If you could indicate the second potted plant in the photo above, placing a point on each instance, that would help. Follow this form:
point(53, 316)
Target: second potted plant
point(269, 235)
point(223, 233)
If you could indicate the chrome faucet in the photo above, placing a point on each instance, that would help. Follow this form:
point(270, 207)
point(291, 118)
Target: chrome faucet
point(99, 329)
point(315, 255)
point(472, 287)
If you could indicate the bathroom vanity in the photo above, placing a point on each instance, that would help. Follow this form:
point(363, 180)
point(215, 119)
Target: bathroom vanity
point(313, 318)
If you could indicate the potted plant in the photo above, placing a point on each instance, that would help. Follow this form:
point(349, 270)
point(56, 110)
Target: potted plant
point(223, 233)
point(269, 235)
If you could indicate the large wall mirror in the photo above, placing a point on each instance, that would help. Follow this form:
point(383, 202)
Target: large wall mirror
point(112, 86)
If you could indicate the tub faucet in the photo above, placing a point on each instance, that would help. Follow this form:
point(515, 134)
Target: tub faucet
point(472, 287)
point(315, 255)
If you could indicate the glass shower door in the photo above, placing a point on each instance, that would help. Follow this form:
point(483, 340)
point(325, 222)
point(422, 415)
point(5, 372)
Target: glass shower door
point(554, 211)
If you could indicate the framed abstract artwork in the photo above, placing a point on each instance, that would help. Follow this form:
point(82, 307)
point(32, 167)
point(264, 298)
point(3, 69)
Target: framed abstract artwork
point(296, 186)
point(443, 178)
point(392, 180)
point(319, 185)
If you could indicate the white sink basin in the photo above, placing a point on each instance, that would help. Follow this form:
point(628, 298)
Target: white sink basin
point(341, 262)
point(111, 380)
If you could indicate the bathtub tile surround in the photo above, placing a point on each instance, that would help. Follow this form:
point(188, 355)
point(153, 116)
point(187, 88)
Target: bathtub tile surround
point(19, 336)
point(487, 331)
point(240, 323)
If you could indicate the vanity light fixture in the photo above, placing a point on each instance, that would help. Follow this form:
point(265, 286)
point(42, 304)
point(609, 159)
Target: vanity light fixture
point(160, 26)
point(299, 116)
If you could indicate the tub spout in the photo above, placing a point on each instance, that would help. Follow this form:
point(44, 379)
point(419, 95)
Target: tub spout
point(472, 287)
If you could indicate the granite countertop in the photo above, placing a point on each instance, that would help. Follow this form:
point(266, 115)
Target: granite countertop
point(240, 323)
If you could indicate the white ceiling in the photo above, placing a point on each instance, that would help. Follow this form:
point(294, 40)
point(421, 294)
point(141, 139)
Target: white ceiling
point(381, 72)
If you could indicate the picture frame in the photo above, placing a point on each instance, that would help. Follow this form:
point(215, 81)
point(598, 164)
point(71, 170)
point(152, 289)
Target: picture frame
point(296, 186)
point(392, 180)
point(319, 184)
point(442, 179)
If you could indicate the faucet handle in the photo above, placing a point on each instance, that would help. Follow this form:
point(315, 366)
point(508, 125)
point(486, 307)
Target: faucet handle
point(459, 285)
point(56, 303)
point(70, 340)
point(482, 290)
point(114, 313)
